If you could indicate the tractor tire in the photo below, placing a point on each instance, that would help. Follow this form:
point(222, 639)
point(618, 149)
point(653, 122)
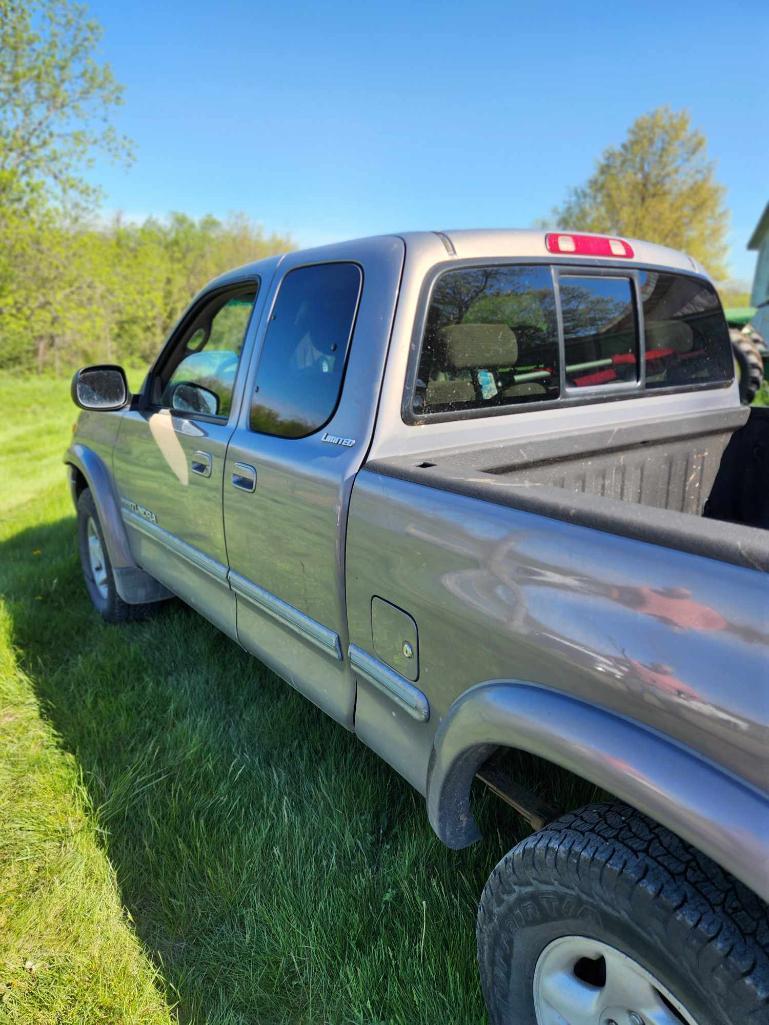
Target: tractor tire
point(749, 363)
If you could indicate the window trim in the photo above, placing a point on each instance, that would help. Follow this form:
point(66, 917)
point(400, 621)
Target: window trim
point(174, 340)
point(253, 381)
point(568, 396)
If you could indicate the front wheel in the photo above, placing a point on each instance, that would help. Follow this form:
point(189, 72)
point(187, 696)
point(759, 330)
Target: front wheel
point(607, 918)
point(97, 569)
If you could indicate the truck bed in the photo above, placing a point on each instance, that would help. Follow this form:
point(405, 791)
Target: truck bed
point(648, 480)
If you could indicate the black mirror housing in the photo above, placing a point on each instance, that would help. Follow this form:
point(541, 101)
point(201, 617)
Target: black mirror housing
point(100, 388)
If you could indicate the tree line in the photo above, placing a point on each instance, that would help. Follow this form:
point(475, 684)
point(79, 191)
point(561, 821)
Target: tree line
point(80, 292)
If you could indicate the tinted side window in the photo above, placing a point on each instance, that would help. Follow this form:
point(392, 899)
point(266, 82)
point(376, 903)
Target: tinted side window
point(300, 371)
point(490, 340)
point(599, 330)
point(687, 340)
point(202, 372)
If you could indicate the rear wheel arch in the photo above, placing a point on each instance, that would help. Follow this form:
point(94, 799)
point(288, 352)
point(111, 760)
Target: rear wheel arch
point(623, 759)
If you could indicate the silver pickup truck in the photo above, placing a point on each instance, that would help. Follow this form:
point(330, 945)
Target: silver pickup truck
point(486, 496)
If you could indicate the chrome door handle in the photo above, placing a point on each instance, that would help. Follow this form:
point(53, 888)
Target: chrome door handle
point(244, 476)
point(201, 463)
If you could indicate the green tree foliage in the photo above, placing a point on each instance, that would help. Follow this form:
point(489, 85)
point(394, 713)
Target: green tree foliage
point(73, 289)
point(55, 103)
point(657, 185)
point(83, 292)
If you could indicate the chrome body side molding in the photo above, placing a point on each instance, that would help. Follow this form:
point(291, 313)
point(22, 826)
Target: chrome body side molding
point(398, 688)
point(310, 629)
point(186, 551)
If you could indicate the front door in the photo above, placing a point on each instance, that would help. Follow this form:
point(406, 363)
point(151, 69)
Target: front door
point(170, 454)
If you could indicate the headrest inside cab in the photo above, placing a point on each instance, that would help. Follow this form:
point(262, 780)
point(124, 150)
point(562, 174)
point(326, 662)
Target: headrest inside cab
point(669, 334)
point(480, 345)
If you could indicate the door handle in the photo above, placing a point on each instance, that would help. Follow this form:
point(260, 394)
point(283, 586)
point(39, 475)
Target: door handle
point(201, 463)
point(244, 476)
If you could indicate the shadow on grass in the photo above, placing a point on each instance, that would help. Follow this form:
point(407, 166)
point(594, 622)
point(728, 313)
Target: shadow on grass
point(273, 867)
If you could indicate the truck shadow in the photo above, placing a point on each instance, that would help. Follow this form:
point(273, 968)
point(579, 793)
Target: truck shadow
point(274, 869)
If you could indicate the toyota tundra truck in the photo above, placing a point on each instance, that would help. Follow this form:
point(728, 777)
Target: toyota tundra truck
point(483, 496)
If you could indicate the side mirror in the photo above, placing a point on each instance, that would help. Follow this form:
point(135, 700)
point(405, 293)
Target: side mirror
point(100, 388)
point(187, 397)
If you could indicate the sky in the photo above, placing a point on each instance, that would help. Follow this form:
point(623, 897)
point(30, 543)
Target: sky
point(332, 120)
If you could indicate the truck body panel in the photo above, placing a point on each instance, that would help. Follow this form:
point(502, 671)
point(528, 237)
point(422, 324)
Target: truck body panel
point(302, 494)
point(640, 629)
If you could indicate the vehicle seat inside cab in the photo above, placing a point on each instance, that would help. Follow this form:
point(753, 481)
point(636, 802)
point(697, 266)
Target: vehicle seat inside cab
point(666, 341)
point(470, 350)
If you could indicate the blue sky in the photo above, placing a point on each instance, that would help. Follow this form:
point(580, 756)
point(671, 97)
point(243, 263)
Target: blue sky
point(336, 119)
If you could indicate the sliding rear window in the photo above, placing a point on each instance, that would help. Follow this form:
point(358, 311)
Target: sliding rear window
point(492, 338)
point(600, 330)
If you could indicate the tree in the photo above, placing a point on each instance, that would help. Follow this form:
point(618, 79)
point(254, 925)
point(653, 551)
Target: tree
point(658, 185)
point(55, 103)
point(72, 288)
point(84, 291)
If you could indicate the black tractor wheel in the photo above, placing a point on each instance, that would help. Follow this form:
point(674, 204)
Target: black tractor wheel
point(749, 363)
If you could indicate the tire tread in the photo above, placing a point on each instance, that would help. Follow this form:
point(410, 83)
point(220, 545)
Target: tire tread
point(615, 854)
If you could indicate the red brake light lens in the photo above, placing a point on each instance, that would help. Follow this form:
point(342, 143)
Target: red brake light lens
point(570, 244)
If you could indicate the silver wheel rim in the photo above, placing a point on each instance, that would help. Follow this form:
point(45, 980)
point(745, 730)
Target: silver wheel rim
point(620, 991)
point(96, 559)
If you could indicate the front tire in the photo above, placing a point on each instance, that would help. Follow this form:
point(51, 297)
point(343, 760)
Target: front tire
point(97, 568)
point(605, 916)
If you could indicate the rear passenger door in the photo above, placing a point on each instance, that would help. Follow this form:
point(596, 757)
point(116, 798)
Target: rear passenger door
point(307, 416)
point(283, 485)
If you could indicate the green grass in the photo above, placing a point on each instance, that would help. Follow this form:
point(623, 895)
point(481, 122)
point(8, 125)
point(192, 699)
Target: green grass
point(183, 836)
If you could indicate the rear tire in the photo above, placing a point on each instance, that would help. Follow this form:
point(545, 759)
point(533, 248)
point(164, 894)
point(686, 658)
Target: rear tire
point(97, 568)
point(605, 894)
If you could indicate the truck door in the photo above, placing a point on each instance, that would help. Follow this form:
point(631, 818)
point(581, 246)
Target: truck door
point(169, 456)
point(307, 416)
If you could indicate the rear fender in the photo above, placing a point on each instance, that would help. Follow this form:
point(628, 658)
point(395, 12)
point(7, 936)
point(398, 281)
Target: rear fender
point(719, 814)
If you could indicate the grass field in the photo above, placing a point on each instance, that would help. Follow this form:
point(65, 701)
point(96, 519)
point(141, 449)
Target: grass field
point(182, 836)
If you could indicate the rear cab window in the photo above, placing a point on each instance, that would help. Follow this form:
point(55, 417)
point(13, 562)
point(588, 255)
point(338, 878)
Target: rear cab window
point(505, 336)
point(687, 340)
point(491, 339)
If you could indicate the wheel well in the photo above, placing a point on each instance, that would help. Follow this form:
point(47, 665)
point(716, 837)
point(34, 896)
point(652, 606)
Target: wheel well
point(536, 788)
point(79, 483)
point(674, 785)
